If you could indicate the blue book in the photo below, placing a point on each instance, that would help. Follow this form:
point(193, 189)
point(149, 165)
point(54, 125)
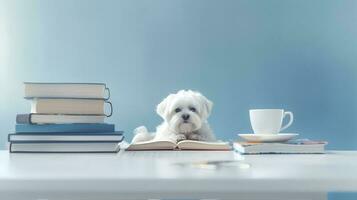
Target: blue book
point(66, 137)
point(64, 128)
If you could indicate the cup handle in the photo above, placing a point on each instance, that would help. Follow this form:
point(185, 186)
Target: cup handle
point(290, 122)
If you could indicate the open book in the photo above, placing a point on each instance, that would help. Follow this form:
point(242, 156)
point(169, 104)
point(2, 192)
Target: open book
point(182, 145)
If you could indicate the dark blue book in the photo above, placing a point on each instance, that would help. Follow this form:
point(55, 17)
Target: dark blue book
point(64, 128)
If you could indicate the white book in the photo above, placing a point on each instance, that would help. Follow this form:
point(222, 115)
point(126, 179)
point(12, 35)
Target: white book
point(65, 147)
point(66, 90)
point(283, 148)
point(182, 145)
point(68, 106)
point(34, 118)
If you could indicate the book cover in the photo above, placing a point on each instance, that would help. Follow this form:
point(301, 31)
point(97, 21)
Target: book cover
point(64, 128)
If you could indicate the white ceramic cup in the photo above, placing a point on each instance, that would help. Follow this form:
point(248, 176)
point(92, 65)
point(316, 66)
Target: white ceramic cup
point(269, 121)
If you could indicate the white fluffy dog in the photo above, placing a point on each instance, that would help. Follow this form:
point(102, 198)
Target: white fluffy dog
point(185, 118)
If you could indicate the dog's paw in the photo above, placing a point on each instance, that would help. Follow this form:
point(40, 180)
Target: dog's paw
point(180, 137)
point(195, 137)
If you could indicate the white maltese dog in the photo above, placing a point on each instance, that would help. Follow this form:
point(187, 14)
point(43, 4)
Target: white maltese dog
point(185, 118)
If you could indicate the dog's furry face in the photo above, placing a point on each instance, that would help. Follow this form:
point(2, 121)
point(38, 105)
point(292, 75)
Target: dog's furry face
point(185, 111)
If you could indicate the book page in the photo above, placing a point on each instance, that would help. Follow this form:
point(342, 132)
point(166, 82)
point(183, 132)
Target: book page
point(201, 145)
point(152, 145)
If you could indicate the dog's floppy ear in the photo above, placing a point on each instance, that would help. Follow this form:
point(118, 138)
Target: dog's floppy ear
point(206, 105)
point(161, 108)
point(209, 105)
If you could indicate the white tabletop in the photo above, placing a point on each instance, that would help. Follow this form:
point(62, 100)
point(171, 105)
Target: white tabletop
point(161, 172)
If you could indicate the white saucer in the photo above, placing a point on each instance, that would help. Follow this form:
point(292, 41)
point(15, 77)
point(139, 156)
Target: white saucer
point(280, 137)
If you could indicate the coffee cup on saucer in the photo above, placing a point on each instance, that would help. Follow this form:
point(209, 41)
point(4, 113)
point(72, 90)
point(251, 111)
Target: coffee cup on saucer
point(267, 125)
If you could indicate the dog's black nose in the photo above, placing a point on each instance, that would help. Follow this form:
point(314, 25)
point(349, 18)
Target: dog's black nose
point(185, 116)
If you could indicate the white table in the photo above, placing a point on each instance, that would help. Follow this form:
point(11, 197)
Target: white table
point(133, 175)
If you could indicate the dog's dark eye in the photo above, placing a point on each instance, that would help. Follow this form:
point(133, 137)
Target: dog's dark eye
point(193, 109)
point(178, 110)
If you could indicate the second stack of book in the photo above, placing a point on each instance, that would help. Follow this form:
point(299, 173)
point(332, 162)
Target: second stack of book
point(298, 146)
point(65, 117)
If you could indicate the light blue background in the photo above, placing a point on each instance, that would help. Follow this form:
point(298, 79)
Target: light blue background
point(298, 55)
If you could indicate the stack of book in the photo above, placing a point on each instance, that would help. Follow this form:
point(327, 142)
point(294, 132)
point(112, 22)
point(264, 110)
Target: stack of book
point(65, 117)
point(299, 146)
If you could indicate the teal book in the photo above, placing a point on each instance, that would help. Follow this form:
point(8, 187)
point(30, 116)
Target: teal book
point(66, 137)
point(64, 128)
